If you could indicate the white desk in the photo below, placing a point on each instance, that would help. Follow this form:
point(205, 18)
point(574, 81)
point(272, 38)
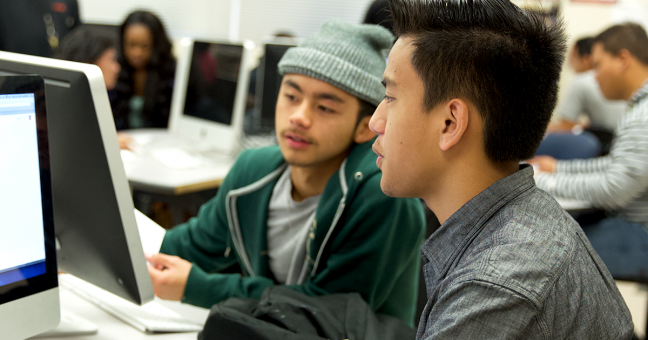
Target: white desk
point(112, 328)
point(146, 173)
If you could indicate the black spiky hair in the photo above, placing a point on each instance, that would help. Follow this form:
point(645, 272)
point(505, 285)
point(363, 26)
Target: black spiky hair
point(504, 60)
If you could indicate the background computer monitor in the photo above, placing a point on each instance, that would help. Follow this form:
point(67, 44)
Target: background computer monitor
point(29, 296)
point(210, 93)
point(93, 209)
point(268, 83)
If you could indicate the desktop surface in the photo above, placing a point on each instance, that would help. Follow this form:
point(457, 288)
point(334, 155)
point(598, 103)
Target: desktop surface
point(112, 328)
point(109, 326)
point(150, 166)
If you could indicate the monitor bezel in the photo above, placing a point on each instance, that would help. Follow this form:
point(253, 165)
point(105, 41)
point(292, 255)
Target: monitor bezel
point(260, 85)
point(35, 298)
point(203, 133)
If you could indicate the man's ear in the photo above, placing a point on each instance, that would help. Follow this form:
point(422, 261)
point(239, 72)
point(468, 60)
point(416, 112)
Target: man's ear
point(587, 60)
point(624, 56)
point(455, 114)
point(362, 132)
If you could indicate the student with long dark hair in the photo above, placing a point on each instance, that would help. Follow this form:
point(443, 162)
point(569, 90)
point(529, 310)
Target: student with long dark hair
point(143, 91)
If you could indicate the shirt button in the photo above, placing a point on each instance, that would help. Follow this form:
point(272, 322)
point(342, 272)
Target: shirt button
point(358, 176)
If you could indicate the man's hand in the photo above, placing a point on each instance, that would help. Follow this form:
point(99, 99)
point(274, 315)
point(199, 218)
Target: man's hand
point(543, 163)
point(124, 140)
point(169, 275)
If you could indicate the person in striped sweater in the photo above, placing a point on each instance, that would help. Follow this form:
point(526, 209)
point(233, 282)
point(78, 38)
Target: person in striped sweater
point(616, 183)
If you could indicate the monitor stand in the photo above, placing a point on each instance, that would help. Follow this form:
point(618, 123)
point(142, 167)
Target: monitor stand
point(71, 324)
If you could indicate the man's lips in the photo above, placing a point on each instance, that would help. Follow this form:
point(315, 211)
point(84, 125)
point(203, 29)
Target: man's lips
point(376, 151)
point(296, 140)
point(380, 156)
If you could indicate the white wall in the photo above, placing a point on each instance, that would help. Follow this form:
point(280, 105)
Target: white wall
point(262, 18)
point(204, 18)
point(223, 19)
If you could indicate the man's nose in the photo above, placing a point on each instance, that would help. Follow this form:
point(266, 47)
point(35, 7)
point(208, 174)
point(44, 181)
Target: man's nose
point(302, 116)
point(378, 119)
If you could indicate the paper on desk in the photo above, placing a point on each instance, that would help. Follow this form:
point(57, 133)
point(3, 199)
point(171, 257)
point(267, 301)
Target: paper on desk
point(127, 156)
point(141, 139)
point(150, 232)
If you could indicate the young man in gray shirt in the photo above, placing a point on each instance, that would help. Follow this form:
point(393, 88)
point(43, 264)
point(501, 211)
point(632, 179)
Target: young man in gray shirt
point(470, 87)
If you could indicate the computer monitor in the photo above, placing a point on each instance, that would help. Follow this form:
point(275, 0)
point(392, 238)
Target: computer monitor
point(268, 83)
point(98, 239)
point(210, 93)
point(29, 296)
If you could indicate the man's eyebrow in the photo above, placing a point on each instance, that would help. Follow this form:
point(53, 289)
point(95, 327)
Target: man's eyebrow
point(388, 82)
point(329, 96)
point(293, 85)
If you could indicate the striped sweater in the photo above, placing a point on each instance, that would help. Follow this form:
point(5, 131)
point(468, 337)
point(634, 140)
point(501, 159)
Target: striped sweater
point(616, 182)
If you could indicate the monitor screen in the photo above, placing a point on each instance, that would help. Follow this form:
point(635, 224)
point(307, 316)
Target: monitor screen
point(213, 77)
point(27, 250)
point(22, 249)
point(270, 82)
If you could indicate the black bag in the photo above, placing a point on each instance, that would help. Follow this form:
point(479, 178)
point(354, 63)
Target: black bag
point(285, 314)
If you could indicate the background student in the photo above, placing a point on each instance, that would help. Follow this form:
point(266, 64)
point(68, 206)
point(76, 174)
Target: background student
point(592, 138)
point(143, 91)
point(618, 182)
point(585, 97)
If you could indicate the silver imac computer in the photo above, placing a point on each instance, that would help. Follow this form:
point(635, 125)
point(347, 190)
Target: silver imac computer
point(97, 235)
point(268, 83)
point(210, 94)
point(29, 295)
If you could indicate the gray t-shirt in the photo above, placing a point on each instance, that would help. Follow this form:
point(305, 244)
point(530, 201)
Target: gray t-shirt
point(585, 97)
point(288, 224)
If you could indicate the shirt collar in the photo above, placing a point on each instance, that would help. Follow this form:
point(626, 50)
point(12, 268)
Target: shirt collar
point(639, 94)
point(451, 238)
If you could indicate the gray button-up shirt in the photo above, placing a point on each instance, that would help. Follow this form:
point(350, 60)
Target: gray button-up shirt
point(512, 264)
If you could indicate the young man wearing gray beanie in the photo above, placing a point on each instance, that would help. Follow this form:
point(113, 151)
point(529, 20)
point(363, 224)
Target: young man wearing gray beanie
point(309, 212)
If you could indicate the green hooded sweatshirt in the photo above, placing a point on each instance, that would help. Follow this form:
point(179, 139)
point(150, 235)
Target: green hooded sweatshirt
point(360, 240)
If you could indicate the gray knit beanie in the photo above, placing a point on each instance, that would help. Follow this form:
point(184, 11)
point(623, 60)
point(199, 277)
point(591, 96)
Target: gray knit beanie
point(347, 56)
